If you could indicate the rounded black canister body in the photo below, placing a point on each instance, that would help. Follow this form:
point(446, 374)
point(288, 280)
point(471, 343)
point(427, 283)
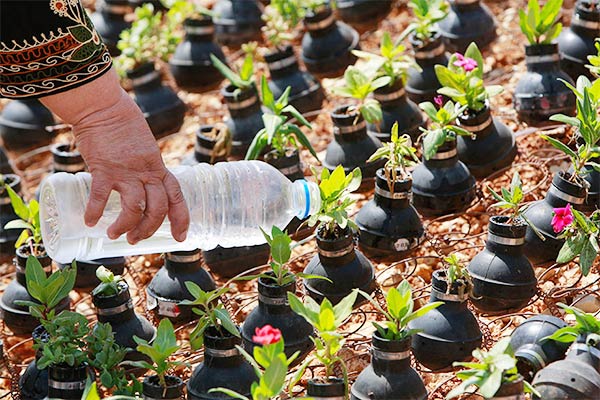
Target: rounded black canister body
point(66, 382)
point(363, 14)
point(332, 388)
point(110, 19)
point(237, 21)
point(33, 383)
point(245, 117)
point(163, 109)
point(152, 389)
point(167, 289)
point(539, 93)
point(503, 278)
point(423, 85)
point(442, 185)
point(232, 261)
point(223, 366)
point(191, 65)
point(468, 21)
point(389, 225)
point(561, 192)
point(577, 42)
point(306, 94)
point(327, 44)
point(352, 145)
point(532, 350)
point(346, 268)
point(273, 309)
point(389, 376)
point(23, 125)
point(493, 148)
point(449, 332)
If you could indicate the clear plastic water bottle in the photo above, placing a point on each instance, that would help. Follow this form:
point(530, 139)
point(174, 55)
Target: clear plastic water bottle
point(228, 202)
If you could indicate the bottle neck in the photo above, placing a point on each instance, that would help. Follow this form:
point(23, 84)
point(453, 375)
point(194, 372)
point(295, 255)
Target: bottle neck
point(386, 362)
point(557, 198)
point(511, 246)
point(120, 313)
point(222, 358)
point(306, 198)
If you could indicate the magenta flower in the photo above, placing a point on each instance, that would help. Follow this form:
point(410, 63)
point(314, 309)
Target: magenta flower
point(562, 218)
point(466, 63)
point(438, 100)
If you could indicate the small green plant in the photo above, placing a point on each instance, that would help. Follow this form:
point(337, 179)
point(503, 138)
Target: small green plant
point(315, 5)
point(279, 132)
point(463, 80)
point(65, 343)
point(326, 319)
point(151, 38)
point(441, 130)
point(242, 80)
point(211, 314)
point(594, 61)
point(399, 312)
point(511, 199)
point(106, 355)
point(540, 25)
point(587, 125)
point(162, 348)
point(427, 13)
point(49, 291)
point(281, 251)
point(586, 324)
point(179, 10)
point(335, 189)
point(281, 18)
point(391, 60)
point(581, 235)
point(29, 213)
point(110, 284)
point(400, 155)
point(357, 85)
point(457, 273)
point(495, 368)
point(270, 365)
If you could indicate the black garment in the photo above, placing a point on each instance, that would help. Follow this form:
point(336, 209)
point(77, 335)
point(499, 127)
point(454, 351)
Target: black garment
point(46, 47)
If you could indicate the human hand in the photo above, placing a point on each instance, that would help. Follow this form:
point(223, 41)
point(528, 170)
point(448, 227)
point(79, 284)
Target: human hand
point(122, 155)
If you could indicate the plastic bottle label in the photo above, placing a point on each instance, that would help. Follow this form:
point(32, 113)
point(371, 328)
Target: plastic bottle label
point(165, 308)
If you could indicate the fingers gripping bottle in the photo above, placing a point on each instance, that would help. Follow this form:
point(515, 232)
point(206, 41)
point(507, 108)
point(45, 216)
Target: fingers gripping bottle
point(228, 203)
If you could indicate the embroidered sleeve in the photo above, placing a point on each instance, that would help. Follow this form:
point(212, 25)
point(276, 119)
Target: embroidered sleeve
point(46, 47)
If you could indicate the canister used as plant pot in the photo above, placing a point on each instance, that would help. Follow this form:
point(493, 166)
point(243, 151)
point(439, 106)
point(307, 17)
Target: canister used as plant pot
point(110, 19)
point(449, 332)
point(223, 366)
point(163, 109)
point(167, 288)
point(442, 185)
point(326, 388)
point(191, 65)
point(503, 277)
point(327, 44)
point(291, 166)
point(33, 383)
point(532, 350)
point(397, 108)
point(119, 311)
point(389, 225)
point(16, 317)
point(423, 85)
point(363, 14)
point(204, 148)
point(245, 117)
point(66, 159)
point(66, 382)
point(86, 270)
point(561, 192)
point(389, 376)
point(514, 390)
point(232, 261)
point(576, 42)
point(23, 125)
point(152, 389)
point(8, 237)
point(540, 93)
point(468, 21)
point(306, 93)
point(273, 309)
point(346, 268)
point(237, 21)
point(576, 377)
point(491, 149)
point(352, 145)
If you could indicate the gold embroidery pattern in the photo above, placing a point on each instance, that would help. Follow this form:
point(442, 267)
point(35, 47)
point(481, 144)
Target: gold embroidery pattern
point(58, 60)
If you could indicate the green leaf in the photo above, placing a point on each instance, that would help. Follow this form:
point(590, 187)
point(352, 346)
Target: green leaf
point(267, 95)
point(17, 203)
point(280, 248)
point(227, 72)
point(343, 309)
point(587, 257)
point(231, 393)
point(18, 224)
point(303, 140)
point(559, 145)
point(247, 69)
point(226, 321)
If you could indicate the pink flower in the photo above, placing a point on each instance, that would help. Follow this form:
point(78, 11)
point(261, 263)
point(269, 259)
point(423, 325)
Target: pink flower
point(266, 335)
point(466, 63)
point(439, 100)
point(562, 218)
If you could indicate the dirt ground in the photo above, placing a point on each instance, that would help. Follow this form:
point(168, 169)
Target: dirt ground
point(463, 233)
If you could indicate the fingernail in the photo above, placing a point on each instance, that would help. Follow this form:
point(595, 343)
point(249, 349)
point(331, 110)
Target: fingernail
point(182, 236)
